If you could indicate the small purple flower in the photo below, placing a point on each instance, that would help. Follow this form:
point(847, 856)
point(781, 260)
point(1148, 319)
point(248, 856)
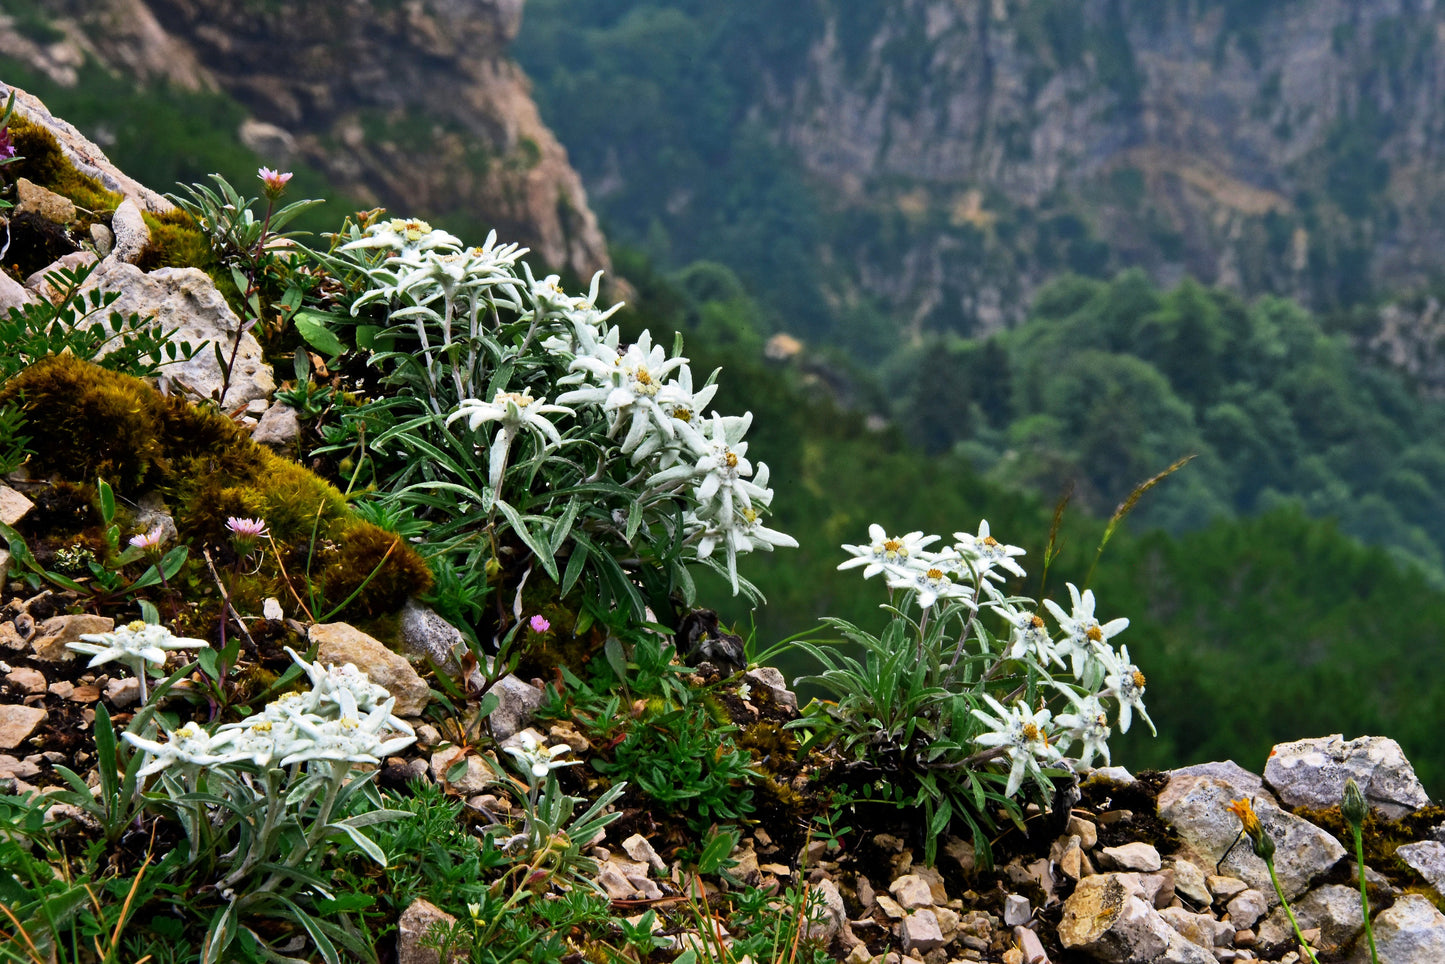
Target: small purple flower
point(275, 181)
point(7, 146)
point(539, 624)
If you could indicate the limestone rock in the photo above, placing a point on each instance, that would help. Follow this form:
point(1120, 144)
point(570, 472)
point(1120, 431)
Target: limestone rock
point(519, 701)
point(1411, 931)
point(279, 427)
point(415, 921)
point(475, 778)
point(186, 301)
point(911, 892)
point(34, 199)
point(1427, 858)
point(36, 281)
point(640, 849)
point(52, 635)
point(1333, 910)
point(1190, 881)
point(83, 154)
point(341, 643)
point(26, 680)
point(1247, 907)
point(130, 232)
point(427, 637)
point(920, 931)
point(103, 239)
point(771, 679)
point(1202, 929)
point(1109, 917)
point(13, 505)
point(834, 920)
point(1312, 773)
point(18, 722)
point(13, 294)
point(1131, 856)
point(1194, 803)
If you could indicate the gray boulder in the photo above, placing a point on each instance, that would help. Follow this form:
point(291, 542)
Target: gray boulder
point(1195, 803)
point(1312, 773)
point(1411, 931)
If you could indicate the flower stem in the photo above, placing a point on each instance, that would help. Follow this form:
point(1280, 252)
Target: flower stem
point(1303, 944)
point(1364, 899)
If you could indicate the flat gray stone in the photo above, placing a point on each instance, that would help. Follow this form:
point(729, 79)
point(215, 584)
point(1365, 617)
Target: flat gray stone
point(51, 636)
point(415, 921)
point(13, 294)
point(1312, 773)
point(519, 702)
point(279, 428)
point(13, 505)
point(1111, 918)
point(1333, 909)
point(1131, 856)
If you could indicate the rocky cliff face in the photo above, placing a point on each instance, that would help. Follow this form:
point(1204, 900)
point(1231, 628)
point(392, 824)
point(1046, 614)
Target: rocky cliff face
point(1291, 147)
point(413, 105)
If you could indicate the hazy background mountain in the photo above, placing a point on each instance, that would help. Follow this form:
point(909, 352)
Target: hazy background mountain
point(1027, 247)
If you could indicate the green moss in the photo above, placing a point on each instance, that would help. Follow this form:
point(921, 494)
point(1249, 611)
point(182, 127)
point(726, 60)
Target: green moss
point(104, 424)
point(45, 164)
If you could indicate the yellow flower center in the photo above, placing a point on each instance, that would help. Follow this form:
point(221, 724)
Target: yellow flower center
point(894, 547)
point(136, 625)
point(989, 541)
point(750, 516)
point(1095, 633)
point(264, 726)
point(935, 574)
point(732, 460)
point(1138, 679)
point(682, 414)
point(1037, 622)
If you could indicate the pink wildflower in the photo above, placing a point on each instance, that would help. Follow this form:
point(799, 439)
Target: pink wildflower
point(245, 533)
point(149, 541)
point(539, 624)
point(275, 181)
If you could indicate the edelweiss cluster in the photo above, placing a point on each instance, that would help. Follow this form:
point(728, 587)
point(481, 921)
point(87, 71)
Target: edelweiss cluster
point(966, 577)
point(654, 424)
point(345, 718)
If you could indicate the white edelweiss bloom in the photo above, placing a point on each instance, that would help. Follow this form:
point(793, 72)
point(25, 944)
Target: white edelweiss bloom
point(327, 683)
point(685, 406)
point(403, 235)
point(884, 550)
point(350, 738)
point(262, 740)
point(627, 389)
point(1030, 638)
point(1024, 736)
point(538, 760)
point(745, 533)
point(516, 412)
point(930, 579)
point(1086, 639)
point(984, 553)
point(1088, 723)
point(724, 469)
point(190, 745)
point(1125, 683)
point(134, 643)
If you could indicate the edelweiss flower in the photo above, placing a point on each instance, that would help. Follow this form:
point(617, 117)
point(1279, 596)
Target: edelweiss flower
point(744, 534)
point(1124, 682)
point(537, 761)
point(327, 683)
point(517, 412)
point(1088, 724)
point(1023, 736)
point(884, 550)
point(627, 389)
point(1030, 638)
point(404, 236)
point(929, 578)
point(1086, 640)
point(190, 746)
point(983, 553)
point(136, 645)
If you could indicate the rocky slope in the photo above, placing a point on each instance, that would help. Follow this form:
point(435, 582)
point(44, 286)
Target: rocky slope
point(1290, 147)
point(415, 106)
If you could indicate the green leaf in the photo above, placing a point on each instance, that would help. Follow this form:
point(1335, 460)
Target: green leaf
point(107, 502)
point(312, 327)
point(365, 843)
